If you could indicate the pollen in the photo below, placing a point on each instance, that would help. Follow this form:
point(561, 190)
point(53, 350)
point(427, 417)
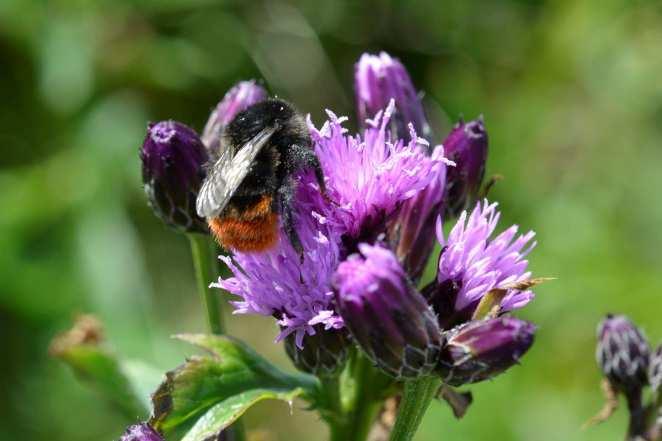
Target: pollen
point(254, 229)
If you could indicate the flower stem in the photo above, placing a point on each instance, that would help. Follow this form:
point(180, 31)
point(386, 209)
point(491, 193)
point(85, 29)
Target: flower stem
point(415, 400)
point(206, 270)
point(205, 262)
point(360, 410)
point(637, 424)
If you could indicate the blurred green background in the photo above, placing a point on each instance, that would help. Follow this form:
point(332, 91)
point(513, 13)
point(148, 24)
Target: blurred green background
point(571, 92)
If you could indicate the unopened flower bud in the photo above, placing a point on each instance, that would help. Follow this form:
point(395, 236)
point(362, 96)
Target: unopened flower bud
point(622, 353)
point(323, 354)
point(413, 233)
point(172, 166)
point(655, 370)
point(237, 99)
point(387, 317)
point(380, 78)
point(482, 349)
point(141, 432)
point(466, 145)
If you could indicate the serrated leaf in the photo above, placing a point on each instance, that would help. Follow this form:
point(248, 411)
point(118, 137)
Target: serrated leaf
point(226, 412)
point(229, 370)
point(123, 383)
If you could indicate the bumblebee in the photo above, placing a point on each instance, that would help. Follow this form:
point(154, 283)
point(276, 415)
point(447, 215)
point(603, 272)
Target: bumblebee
point(252, 183)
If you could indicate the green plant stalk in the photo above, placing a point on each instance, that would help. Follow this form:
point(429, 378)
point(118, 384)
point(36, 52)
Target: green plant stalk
point(360, 410)
point(205, 262)
point(333, 404)
point(415, 400)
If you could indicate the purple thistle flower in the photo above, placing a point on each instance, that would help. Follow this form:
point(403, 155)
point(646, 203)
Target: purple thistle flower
point(466, 145)
point(471, 264)
point(387, 317)
point(370, 177)
point(141, 432)
point(378, 79)
point(237, 99)
point(281, 283)
point(623, 354)
point(367, 179)
point(482, 349)
point(172, 167)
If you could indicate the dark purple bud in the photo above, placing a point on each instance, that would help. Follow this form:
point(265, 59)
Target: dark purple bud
point(377, 80)
point(387, 317)
point(482, 349)
point(141, 432)
point(412, 235)
point(237, 99)
point(655, 370)
point(466, 145)
point(622, 353)
point(323, 354)
point(172, 166)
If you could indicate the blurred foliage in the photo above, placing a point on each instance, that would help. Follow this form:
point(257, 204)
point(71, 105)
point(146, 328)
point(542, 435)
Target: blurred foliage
point(572, 98)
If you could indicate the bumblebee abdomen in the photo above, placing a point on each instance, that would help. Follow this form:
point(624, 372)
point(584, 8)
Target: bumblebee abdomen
point(249, 229)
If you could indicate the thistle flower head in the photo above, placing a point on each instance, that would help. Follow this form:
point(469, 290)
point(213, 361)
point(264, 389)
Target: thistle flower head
point(378, 79)
point(472, 263)
point(172, 167)
point(323, 353)
point(141, 432)
point(387, 317)
point(466, 145)
point(412, 234)
point(293, 288)
point(482, 349)
point(237, 99)
point(622, 353)
point(369, 177)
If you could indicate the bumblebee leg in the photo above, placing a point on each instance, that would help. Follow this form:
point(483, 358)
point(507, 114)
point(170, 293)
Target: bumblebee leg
point(304, 157)
point(285, 198)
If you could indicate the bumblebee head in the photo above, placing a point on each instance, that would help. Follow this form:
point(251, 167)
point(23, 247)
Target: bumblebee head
point(250, 122)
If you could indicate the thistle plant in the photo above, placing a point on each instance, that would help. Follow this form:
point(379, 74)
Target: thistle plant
point(363, 327)
point(629, 367)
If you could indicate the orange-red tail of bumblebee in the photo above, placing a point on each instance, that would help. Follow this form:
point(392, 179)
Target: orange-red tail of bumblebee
point(251, 230)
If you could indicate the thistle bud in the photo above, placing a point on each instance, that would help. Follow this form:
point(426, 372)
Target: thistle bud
point(237, 99)
point(389, 320)
point(172, 166)
point(466, 145)
point(413, 233)
point(655, 370)
point(141, 432)
point(380, 78)
point(482, 349)
point(622, 353)
point(323, 354)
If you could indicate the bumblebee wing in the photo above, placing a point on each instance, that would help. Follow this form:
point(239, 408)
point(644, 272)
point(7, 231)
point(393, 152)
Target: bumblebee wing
point(227, 174)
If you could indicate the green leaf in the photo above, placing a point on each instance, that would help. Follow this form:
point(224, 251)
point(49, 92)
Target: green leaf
point(227, 411)
point(125, 384)
point(220, 386)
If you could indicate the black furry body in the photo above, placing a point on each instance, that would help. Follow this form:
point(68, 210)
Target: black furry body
point(272, 172)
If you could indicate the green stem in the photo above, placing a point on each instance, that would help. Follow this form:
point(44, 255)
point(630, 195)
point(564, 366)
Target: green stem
point(333, 405)
point(360, 411)
point(415, 400)
point(205, 262)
